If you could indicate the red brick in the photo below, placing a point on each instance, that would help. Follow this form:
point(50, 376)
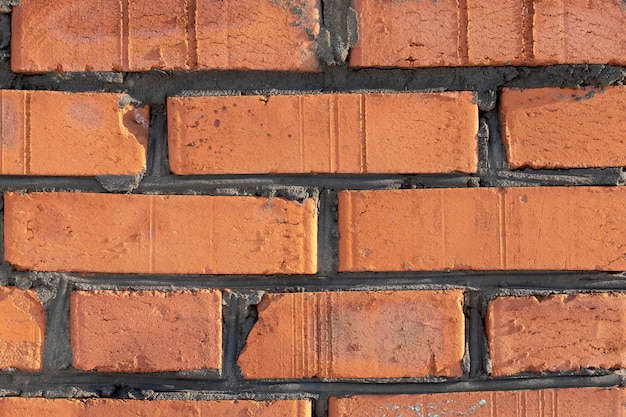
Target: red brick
point(564, 128)
point(22, 329)
point(572, 402)
point(160, 234)
point(382, 334)
point(579, 31)
point(406, 34)
point(43, 130)
point(558, 333)
point(27, 407)
point(114, 35)
point(478, 32)
point(326, 133)
point(146, 331)
point(533, 228)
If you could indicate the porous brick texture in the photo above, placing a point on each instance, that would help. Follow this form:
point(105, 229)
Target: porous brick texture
point(326, 133)
point(114, 35)
point(102, 134)
point(538, 228)
point(312, 208)
point(577, 402)
point(27, 407)
point(22, 329)
point(141, 331)
point(558, 333)
point(159, 234)
point(414, 33)
point(564, 128)
point(357, 335)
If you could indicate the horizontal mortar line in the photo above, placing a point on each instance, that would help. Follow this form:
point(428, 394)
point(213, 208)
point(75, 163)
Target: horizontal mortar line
point(482, 281)
point(203, 82)
point(56, 383)
point(175, 183)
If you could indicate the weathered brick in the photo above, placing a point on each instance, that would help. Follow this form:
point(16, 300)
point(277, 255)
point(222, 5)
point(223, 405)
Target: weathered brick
point(325, 133)
point(160, 234)
point(406, 34)
point(99, 133)
point(478, 32)
point(573, 402)
point(22, 329)
point(382, 334)
point(114, 35)
point(146, 331)
point(564, 128)
point(579, 31)
point(557, 333)
point(27, 407)
point(532, 228)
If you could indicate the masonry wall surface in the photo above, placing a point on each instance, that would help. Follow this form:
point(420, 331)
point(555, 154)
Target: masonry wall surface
point(303, 208)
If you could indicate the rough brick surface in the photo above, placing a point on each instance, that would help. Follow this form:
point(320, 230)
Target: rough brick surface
point(43, 130)
point(564, 128)
point(533, 228)
point(22, 329)
point(575, 402)
point(28, 407)
point(557, 333)
point(579, 31)
point(382, 334)
point(114, 35)
point(160, 234)
point(146, 331)
point(478, 32)
point(326, 133)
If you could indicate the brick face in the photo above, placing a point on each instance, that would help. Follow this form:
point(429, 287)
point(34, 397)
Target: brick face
point(575, 402)
point(26, 407)
point(42, 130)
point(564, 128)
point(412, 34)
point(113, 35)
point(125, 331)
point(357, 335)
point(159, 234)
point(327, 133)
point(558, 333)
point(22, 329)
point(534, 228)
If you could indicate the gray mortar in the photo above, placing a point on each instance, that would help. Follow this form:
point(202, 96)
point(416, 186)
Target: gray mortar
point(339, 31)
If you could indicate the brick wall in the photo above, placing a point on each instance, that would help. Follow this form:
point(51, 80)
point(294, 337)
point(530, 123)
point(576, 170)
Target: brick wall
point(311, 208)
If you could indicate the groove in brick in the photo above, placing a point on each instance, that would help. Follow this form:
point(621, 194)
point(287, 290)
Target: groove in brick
point(528, 15)
point(27, 132)
point(191, 34)
point(124, 35)
point(462, 32)
point(363, 136)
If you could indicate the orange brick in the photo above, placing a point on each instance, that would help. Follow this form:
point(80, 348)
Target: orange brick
point(406, 34)
point(146, 331)
point(160, 234)
point(27, 407)
point(564, 128)
point(43, 130)
point(382, 334)
point(366, 133)
point(326, 133)
point(22, 329)
point(557, 333)
point(580, 31)
point(572, 402)
point(114, 35)
point(535, 228)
